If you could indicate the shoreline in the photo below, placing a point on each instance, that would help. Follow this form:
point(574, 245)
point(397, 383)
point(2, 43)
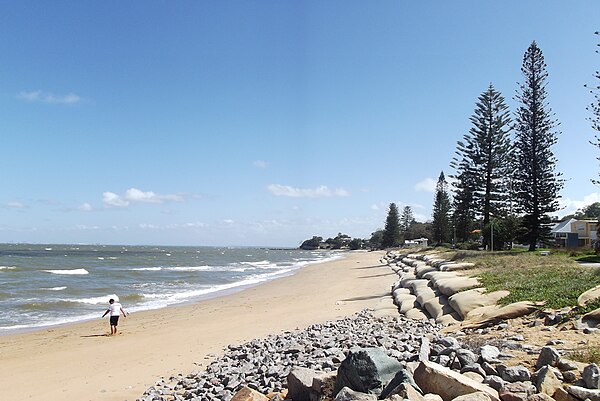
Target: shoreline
point(339, 255)
point(78, 361)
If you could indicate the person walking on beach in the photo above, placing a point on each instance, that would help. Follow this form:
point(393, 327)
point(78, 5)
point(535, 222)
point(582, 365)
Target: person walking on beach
point(115, 309)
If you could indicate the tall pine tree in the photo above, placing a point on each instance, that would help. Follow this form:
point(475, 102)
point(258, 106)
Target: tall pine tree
point(406, 221)
point(391, 231)
point(441, 212)
point(483, 164)
point(537, 184)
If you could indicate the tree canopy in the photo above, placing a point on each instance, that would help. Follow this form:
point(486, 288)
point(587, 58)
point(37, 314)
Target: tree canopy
point(536, 182)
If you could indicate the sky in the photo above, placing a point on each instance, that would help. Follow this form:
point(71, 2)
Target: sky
point(263, 123)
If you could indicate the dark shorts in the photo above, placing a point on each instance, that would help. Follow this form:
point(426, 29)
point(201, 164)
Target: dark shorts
point(114, 320)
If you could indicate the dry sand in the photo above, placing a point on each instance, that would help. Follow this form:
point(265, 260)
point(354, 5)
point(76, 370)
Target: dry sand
point(79, 362)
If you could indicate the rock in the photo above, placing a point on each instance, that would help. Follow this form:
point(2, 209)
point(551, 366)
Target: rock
point(514, 373)
point(563, 395)
point(569, 376)
point(474, 368)
point(476, 396)
point(547, 382)
point(466, 357)
point(425, 349)
point(403, 376)
point(300, 382)
point(540, 397)
point(489, 353)
point(432, 397)
point(591, 376)
point(434, 378)
point(346, 394)
point(489, 369)
point(564, 365)
point(494, 382)
point(404, 390)
point(322, 386)
point(548, 356)
point(588, 296)
point(473, 376)
point(366, 370)
point(584, 393)
point(518, 391)
point(247, 394)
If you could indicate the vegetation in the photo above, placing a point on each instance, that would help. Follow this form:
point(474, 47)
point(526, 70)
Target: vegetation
point(441, 213)
point(406, 221)
point(586, 355)
point(537, 185)
point(556, 279)
point(484, 165)
point(340, 241)
point(391, 233)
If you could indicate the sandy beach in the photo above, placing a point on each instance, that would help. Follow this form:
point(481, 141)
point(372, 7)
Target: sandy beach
point(79, 362)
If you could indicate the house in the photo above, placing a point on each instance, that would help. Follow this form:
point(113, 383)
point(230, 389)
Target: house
point(575, 233)
point(416, 242)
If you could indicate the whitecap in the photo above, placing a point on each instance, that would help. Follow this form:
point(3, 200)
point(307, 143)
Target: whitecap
point(8, 267)
point(93, 300)
point(54, 289)
point(151, 269)
point(70, 272)
point(190, 268)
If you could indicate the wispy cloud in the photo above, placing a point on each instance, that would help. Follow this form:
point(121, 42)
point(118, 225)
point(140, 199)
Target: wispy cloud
point(319, 192)
point(426, 185)
point(260, 164)
point(15, 205)
point(46, 97)
point(85, 207)
point(134, 195)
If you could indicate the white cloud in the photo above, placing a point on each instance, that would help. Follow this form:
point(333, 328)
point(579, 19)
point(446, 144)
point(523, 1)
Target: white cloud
point(85, 207)
point(426, 185)
point(112, 199)
point(134, 195)
point(319, 192)
point(570, 206)
point(260, 164)
point(86, 227)
point(197, 224)
point(15, 205)
point(45, 97)
point(228, 221)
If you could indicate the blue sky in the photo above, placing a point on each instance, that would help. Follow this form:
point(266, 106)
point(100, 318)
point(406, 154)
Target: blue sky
point(263, 123)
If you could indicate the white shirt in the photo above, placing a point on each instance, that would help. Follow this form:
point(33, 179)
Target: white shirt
point(115, 309)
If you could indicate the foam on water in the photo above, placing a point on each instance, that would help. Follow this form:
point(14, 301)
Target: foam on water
point(42, 287)
point(94, 300)
point(66, 271)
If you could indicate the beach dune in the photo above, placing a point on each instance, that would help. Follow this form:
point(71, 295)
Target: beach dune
point(79, 362)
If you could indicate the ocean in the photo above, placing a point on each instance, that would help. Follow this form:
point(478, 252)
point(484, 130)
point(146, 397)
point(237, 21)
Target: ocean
point(45, 285)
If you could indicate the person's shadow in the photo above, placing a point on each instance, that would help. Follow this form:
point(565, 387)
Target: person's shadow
point(95, 335)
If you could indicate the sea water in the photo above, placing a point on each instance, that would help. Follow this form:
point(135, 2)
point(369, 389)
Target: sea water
point(44, 285)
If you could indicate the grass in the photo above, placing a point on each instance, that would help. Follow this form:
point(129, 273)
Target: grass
point(586, 355)
point(556, 279)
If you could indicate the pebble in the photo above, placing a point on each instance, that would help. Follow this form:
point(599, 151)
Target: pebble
point(263, 364)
